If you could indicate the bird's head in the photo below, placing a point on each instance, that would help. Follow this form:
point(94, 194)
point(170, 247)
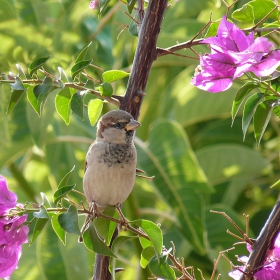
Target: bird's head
point(116, 127)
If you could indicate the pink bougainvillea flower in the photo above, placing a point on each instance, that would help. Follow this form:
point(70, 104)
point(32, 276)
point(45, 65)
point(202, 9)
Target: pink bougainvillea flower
point(271, 266)
point(234, 53)
point(13, 232)
point(93, 4)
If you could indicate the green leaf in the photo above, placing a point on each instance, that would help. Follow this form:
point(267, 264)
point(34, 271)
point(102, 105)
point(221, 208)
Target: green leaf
point(65, 179)
point(79, 66)
point(153, 232)
point(40, 92)
point(213, 29)
point(114, 75)
point(240, 97)
point(42, 214)
point(261, 118)
point(77, 104)
point(40, 224)
point(69, 220)
point(146, 256)
point(161, 268)
point(244, 14)
point(18, 90)
point(36, 64)
point(94, 110)
point(106, 89)
point(145, 242)
point(262, 8)
point(103, 5)
point(62, 104)
point(83, 53)
point(130, 5)
point(61, 192)
point(62, 75)
point(105, 227)
point(275, 83)
point(133, 29)
point(115, 248)
point(60, 232)
point(249, 110)
point(93, 242)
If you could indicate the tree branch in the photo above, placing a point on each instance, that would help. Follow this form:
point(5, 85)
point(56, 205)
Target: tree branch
point(263, 243)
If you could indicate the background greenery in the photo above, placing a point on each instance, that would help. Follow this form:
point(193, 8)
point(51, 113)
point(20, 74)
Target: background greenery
point(186, 139)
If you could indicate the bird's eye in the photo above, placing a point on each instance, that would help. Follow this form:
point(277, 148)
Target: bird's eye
point(117, 125)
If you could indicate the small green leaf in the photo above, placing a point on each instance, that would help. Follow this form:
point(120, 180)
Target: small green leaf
point(262, 8)
point(146, 256)
point(114, 75)
point(36, 64)
point(130, 5)
point(60, 232)
point(61, 192)
point(244, 14)
point(145, 243)
point(261, 118)
point(18, 90)
point(240, 97)
point(275, 83)
point(32, 99)
point(106, 89)
point(160, 268)
point(45, 199)
point(40, 224)
point(213, 29)
point(133, 29)
point(42, 214)
point(94, 110)
point(62, 104)
point(78, 67)
point(83, 53)
point(65, 179)
point(153, 232)
point(69, 220)
point(77, 104)
point(249, 110)
point(93, 242)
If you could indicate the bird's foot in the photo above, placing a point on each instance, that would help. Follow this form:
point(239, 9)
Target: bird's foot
point(123, 221)
point(92, 214)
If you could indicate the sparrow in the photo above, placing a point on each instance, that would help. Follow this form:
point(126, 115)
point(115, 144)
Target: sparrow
point(110, 166)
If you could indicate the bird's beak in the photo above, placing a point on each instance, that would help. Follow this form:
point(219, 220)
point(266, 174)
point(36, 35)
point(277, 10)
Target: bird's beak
point(133, 124)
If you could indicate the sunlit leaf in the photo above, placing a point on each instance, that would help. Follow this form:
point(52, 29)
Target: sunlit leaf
point(249, 110)
point(69, 220)
point(244, 14)
point(60, 232)
point(103, 5)
point(94, 110)
point(261, 119)
point(113, 75)
point(21, 73)
point(146, 256)
point(106, 89)
point(36, 64)
point(18, 90)
point(61, 192)
point(130, 5)
point(153, 232)
point(79, 66)
point(93, 242)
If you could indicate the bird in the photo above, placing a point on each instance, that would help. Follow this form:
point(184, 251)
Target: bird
point(110, 165)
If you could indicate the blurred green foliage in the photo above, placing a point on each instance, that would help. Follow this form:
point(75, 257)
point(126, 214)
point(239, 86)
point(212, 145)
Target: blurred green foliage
point(186, 138)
